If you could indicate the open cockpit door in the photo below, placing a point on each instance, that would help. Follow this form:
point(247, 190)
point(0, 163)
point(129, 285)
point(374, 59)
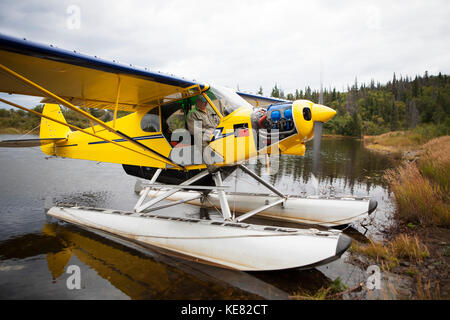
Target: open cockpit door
point(178, 128)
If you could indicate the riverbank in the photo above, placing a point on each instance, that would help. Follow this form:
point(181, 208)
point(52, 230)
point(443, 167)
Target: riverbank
point(407, 144)
point(419, 245)
point(397, 143)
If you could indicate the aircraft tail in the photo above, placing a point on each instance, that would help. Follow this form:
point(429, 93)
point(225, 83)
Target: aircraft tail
point(51, 132)
point(51, 129)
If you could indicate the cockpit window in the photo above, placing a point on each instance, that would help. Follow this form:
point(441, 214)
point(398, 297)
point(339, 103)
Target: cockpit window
point(150, 122)
point(226, 100)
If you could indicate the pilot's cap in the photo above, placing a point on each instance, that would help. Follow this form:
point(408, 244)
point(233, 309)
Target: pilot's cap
point(201, 99)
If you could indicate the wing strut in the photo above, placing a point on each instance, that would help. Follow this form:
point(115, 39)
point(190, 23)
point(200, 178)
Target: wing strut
point(117, 102)
point(75, 128)
point(86, 115)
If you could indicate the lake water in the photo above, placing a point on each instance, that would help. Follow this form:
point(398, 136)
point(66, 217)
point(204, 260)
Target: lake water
point(35, 252)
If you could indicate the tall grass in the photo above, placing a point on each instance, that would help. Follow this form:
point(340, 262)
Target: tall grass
point(435, 162)
point(421, 189)
point(389, 253)
point(406, 247)
point(427, 291)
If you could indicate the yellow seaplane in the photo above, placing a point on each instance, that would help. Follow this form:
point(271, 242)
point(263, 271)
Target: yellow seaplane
point(152, 142)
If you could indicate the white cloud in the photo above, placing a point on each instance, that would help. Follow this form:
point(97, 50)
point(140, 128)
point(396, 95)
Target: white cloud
point(250, 43)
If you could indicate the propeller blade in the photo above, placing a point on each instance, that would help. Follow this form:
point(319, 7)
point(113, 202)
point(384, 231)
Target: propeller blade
point(318, 125)
point(320, 114)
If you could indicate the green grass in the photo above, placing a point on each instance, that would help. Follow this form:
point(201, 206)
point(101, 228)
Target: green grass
point(411, 272)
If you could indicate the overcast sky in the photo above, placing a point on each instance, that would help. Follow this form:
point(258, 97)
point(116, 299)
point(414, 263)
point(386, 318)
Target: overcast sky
point(247, 43)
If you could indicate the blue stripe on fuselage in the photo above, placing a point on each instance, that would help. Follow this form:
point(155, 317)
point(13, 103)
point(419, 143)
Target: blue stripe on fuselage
point(155, 136)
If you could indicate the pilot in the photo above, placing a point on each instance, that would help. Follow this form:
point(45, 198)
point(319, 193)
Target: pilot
point(200, 115)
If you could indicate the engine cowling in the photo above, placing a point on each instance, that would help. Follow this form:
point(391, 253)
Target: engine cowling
point(306, 113)
point(291, 123)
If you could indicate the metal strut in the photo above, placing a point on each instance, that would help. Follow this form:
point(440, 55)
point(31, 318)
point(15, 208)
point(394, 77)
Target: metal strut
point(217, 177)
point(267, 185)
point(258, 210)
point(139, 207)
point(257, 178)
point(222, 196)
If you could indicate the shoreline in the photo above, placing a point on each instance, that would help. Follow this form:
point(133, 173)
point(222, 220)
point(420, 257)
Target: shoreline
point(430, 275)
point(396, 143)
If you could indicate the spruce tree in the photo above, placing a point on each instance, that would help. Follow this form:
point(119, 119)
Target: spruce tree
point(394, 116)
point(275, 92)
point(260, 91)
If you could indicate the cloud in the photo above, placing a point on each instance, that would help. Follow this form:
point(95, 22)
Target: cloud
point(249, 43)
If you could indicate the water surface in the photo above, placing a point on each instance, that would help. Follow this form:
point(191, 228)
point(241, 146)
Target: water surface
point(36, 251)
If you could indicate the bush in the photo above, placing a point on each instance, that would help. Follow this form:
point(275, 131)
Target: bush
point(346, 125)
point(370, 128)
point(426, 132)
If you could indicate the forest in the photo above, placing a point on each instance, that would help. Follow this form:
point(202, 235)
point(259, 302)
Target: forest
point(403, 103)
point(420, 104)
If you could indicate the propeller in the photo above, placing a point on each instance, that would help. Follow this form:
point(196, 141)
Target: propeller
point(309, 119)
point(318, 126)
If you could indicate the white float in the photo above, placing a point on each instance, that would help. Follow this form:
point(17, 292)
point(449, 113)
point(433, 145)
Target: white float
point(327, 212)
point(226, 244)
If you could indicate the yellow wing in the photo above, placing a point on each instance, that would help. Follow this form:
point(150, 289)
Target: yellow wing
point(73, 79)
point(87, 81)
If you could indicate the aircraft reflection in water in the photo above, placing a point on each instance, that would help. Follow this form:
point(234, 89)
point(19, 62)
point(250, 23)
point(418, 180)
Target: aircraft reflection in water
point(342, 159)
point(141, 276)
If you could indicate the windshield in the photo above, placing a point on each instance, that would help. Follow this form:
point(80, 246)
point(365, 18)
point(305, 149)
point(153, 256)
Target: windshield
point(226, 100)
